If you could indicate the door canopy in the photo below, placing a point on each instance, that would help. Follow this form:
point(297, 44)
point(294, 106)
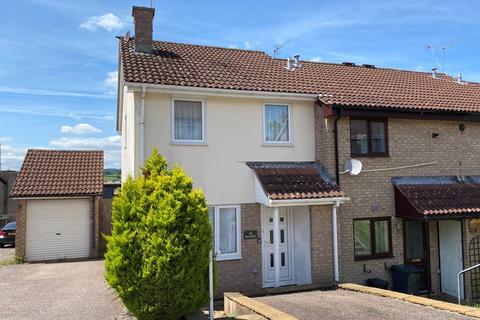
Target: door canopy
point(438, 197)
point(294, 183)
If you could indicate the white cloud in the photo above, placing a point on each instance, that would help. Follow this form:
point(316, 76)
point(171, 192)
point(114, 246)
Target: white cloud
point(42, 92)
point(111, 82)
point(108, 21)
point(80, 128)
point(5, 139)
point(47, 111)
point(12, 157)
point(111, 79)
point(315, 59)
point(110, 145)
point(251, 45)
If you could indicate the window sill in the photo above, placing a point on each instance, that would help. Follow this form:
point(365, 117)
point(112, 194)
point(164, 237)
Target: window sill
point(370, 155)
point(273, 144)
point(188, 143)
point(378, 257)
point(226, 258)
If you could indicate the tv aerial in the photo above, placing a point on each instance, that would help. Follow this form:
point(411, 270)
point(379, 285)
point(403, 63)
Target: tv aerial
point(279, 46)
point(435, 50)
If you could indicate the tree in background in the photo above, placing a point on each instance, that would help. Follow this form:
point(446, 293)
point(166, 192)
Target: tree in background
point(158, 254)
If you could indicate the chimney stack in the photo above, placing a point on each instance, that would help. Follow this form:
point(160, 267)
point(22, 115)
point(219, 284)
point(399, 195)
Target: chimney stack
point(459, 78)
point(143, 21)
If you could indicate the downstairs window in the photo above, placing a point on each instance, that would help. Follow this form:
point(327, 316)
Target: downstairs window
point(372, 238)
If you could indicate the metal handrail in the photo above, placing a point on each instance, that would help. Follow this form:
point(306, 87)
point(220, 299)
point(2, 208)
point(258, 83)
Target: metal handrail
point(458, 281)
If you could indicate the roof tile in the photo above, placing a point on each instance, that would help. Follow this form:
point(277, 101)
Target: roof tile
point(49, 173)
point(443, 199)
point(222, 68)
point(295, 180)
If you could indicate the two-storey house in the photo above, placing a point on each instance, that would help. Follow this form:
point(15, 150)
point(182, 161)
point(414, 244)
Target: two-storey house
point(266, 140)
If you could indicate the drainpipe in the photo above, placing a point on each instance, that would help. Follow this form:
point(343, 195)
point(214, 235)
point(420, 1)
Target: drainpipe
point(335, 241)
point(335, 139)
point(142, 127)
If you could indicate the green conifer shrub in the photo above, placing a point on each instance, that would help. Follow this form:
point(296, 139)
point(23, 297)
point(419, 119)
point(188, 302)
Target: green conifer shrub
point(157, 254)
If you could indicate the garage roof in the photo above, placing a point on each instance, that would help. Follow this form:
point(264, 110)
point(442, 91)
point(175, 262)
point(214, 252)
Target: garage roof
point(53, 173)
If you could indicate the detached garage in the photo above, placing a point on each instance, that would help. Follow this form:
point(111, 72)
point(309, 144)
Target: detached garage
point(59, 197)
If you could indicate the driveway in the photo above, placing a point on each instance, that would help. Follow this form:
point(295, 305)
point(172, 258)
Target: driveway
point(342, 304)
point(73, 290)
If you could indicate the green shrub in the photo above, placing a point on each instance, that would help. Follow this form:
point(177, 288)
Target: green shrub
point(157, 255)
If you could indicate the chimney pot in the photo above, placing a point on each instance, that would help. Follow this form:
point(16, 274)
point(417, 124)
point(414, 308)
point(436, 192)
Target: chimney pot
point(143, 21)
point(434, 73)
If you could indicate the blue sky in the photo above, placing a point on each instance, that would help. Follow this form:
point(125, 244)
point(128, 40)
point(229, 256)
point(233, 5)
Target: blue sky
point(58, 57)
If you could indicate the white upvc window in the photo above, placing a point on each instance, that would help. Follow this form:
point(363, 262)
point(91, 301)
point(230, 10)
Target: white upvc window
point(277, 123)
point(227, 237)
point(188, 121)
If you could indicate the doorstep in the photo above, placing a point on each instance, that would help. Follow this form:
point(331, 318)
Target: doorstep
point(446, 306)
point(299, 288)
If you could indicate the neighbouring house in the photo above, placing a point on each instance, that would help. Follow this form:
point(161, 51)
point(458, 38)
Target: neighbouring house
point(7, 205)
point(267, 139)
point(58, 197)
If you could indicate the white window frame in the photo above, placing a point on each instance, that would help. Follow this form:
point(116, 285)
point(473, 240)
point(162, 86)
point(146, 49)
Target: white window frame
point(187, 141)
point(227, 256)
point(290, 131)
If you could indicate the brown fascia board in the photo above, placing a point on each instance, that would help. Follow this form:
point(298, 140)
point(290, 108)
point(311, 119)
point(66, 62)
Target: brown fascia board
point(55, 196)
point(403, 207)
point(420, 114)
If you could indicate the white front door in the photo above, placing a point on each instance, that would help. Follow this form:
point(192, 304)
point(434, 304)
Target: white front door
point(285, 244)
point(450, 240)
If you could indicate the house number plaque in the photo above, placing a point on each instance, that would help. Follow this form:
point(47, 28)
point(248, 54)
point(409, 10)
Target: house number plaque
point(250, 234)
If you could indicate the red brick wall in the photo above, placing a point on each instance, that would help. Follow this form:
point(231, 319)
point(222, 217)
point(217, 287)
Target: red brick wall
point(321, 245)
point(239, 275)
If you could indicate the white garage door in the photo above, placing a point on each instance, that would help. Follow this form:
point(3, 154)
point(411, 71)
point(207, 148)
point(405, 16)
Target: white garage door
point(58, 229)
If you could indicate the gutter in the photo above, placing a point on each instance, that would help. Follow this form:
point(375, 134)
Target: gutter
point(306, 202)
point(221, 92)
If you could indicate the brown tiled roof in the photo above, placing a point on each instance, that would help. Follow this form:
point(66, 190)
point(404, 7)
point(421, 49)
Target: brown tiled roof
point(50, 173)
point(449, 197)
point(295, 180)
point(213, 67)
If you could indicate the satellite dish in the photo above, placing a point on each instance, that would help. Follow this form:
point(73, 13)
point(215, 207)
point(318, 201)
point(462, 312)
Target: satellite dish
point(353, 167)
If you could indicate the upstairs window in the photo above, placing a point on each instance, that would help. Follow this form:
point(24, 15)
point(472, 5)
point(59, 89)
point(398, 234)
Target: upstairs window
point(276, 123)
point(368, 137)
point(188, 121)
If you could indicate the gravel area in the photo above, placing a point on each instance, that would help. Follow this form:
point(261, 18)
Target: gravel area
point(6, 253)
point(343, 304)
point(70, 290)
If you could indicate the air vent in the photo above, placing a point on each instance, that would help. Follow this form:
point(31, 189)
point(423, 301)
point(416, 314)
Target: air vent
point(369, 66)
point(350, 64)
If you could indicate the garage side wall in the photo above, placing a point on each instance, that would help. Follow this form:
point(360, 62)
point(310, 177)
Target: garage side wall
point(96, 209)
point(21, 233)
